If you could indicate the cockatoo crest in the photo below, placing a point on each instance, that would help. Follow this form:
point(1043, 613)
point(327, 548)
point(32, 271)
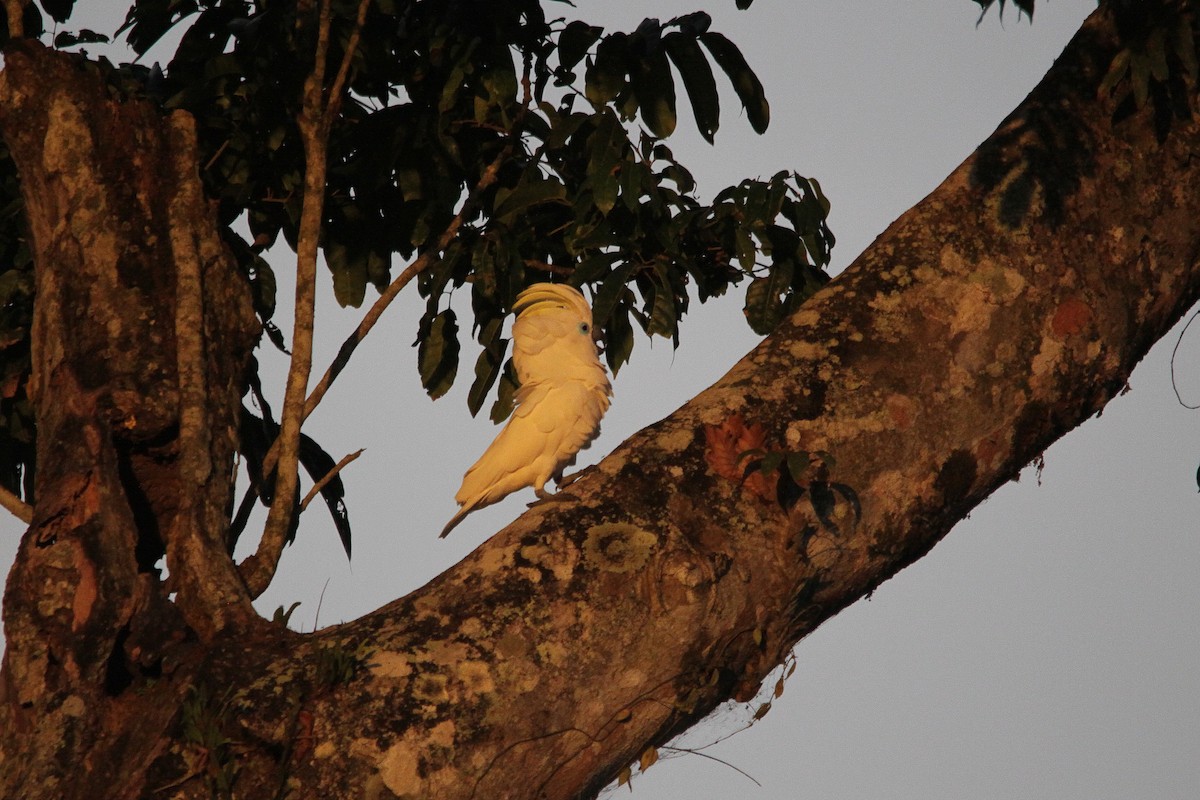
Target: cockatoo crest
point(563, 394)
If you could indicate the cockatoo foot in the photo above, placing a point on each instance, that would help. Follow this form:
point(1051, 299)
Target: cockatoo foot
point(567, 480)
point(557, 497)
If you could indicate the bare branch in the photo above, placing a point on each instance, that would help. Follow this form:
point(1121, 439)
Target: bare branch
point(333, 473)
point(422, 263)
point(15, 9)
point(339, 82)
point(16, 506)
point(259, 569)
point(316, 116)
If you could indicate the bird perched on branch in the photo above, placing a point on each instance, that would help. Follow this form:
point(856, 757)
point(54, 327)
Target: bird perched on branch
point(564, 391)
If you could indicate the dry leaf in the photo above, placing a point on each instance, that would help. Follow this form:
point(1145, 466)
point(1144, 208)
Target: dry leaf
point(727, 445)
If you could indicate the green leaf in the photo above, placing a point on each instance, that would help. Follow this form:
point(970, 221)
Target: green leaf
point(606, 145)
point(592, 268)
point(610, 292)
point(770, 462)
point(698, 81)
point(504, 397)
point(528, 194)
point(488, 365)
point(746, 251)
point(663, 316)
point(1185, 48)
point(349, 274)
point(605, 77)
point(1156, 53)
point(574, 41)
point(745, 83)
point(797, 463)
point(1140, 78)
point(437, 352)
point(1118, 68)
point(764, 309)
point(618, 339)
point(655, 89)
point(692, 24)
point(823, 502)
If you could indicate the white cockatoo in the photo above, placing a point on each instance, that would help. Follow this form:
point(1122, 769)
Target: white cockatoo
point(564, 391)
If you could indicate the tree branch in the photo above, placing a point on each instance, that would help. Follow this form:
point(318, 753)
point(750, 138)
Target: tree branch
point(16, 506)
point(422, 263)
point(211, 593)
point(938, 364)
point(15, 10)
point(316, 116)
point(333, 473)
point(375, 312)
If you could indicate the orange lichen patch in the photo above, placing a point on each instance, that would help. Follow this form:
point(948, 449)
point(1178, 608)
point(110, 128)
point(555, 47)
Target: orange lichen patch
point(302, 743)
point(85, 589)
point(901, 410)
point(988, 448)
point(727, 444)
point(1071, 317)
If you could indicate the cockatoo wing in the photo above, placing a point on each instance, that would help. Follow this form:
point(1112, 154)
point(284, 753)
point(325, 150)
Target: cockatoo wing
point(550, 425)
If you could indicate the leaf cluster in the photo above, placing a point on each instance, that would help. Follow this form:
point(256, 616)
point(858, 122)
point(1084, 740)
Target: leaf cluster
point(441, 89)
point(1023, 7)
point(569, 117)
point(802, 474)
point(1157, 63)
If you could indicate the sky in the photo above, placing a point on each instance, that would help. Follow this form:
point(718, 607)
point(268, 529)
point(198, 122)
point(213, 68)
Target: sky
point(1047, 647)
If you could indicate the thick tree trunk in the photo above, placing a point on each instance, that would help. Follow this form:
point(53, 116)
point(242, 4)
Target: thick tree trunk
point(998, 314)
point(141, 331)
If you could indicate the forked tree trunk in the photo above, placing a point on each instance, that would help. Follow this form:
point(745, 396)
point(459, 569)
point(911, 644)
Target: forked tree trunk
point(999, 313)
point(133, 290)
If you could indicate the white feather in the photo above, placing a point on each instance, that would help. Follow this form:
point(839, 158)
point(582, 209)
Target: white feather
point(564, 392)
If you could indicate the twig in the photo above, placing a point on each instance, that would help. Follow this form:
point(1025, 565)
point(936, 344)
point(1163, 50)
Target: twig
point(319, 485)
point(316, 118)
point(16, 506)
point(545, 266)
point(422, 263)
point(733, 767)
point(15, 10)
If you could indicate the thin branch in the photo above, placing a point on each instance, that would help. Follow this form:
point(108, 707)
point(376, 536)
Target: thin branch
point(422, 263)
point(339, 82)
point(545, 266)
point(16, 506)
point(733, 767)
point(316, 119)
point(15, 10)
point(333, 473)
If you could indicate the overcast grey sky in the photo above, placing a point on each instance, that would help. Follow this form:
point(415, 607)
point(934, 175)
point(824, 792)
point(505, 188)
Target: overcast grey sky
point(1047, 648)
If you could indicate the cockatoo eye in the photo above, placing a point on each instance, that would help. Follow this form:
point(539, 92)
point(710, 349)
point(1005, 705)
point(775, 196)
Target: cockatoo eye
point(584, 327)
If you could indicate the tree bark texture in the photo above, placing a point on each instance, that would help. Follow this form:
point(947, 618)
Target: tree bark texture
point(999, 313)
point(142, 327)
